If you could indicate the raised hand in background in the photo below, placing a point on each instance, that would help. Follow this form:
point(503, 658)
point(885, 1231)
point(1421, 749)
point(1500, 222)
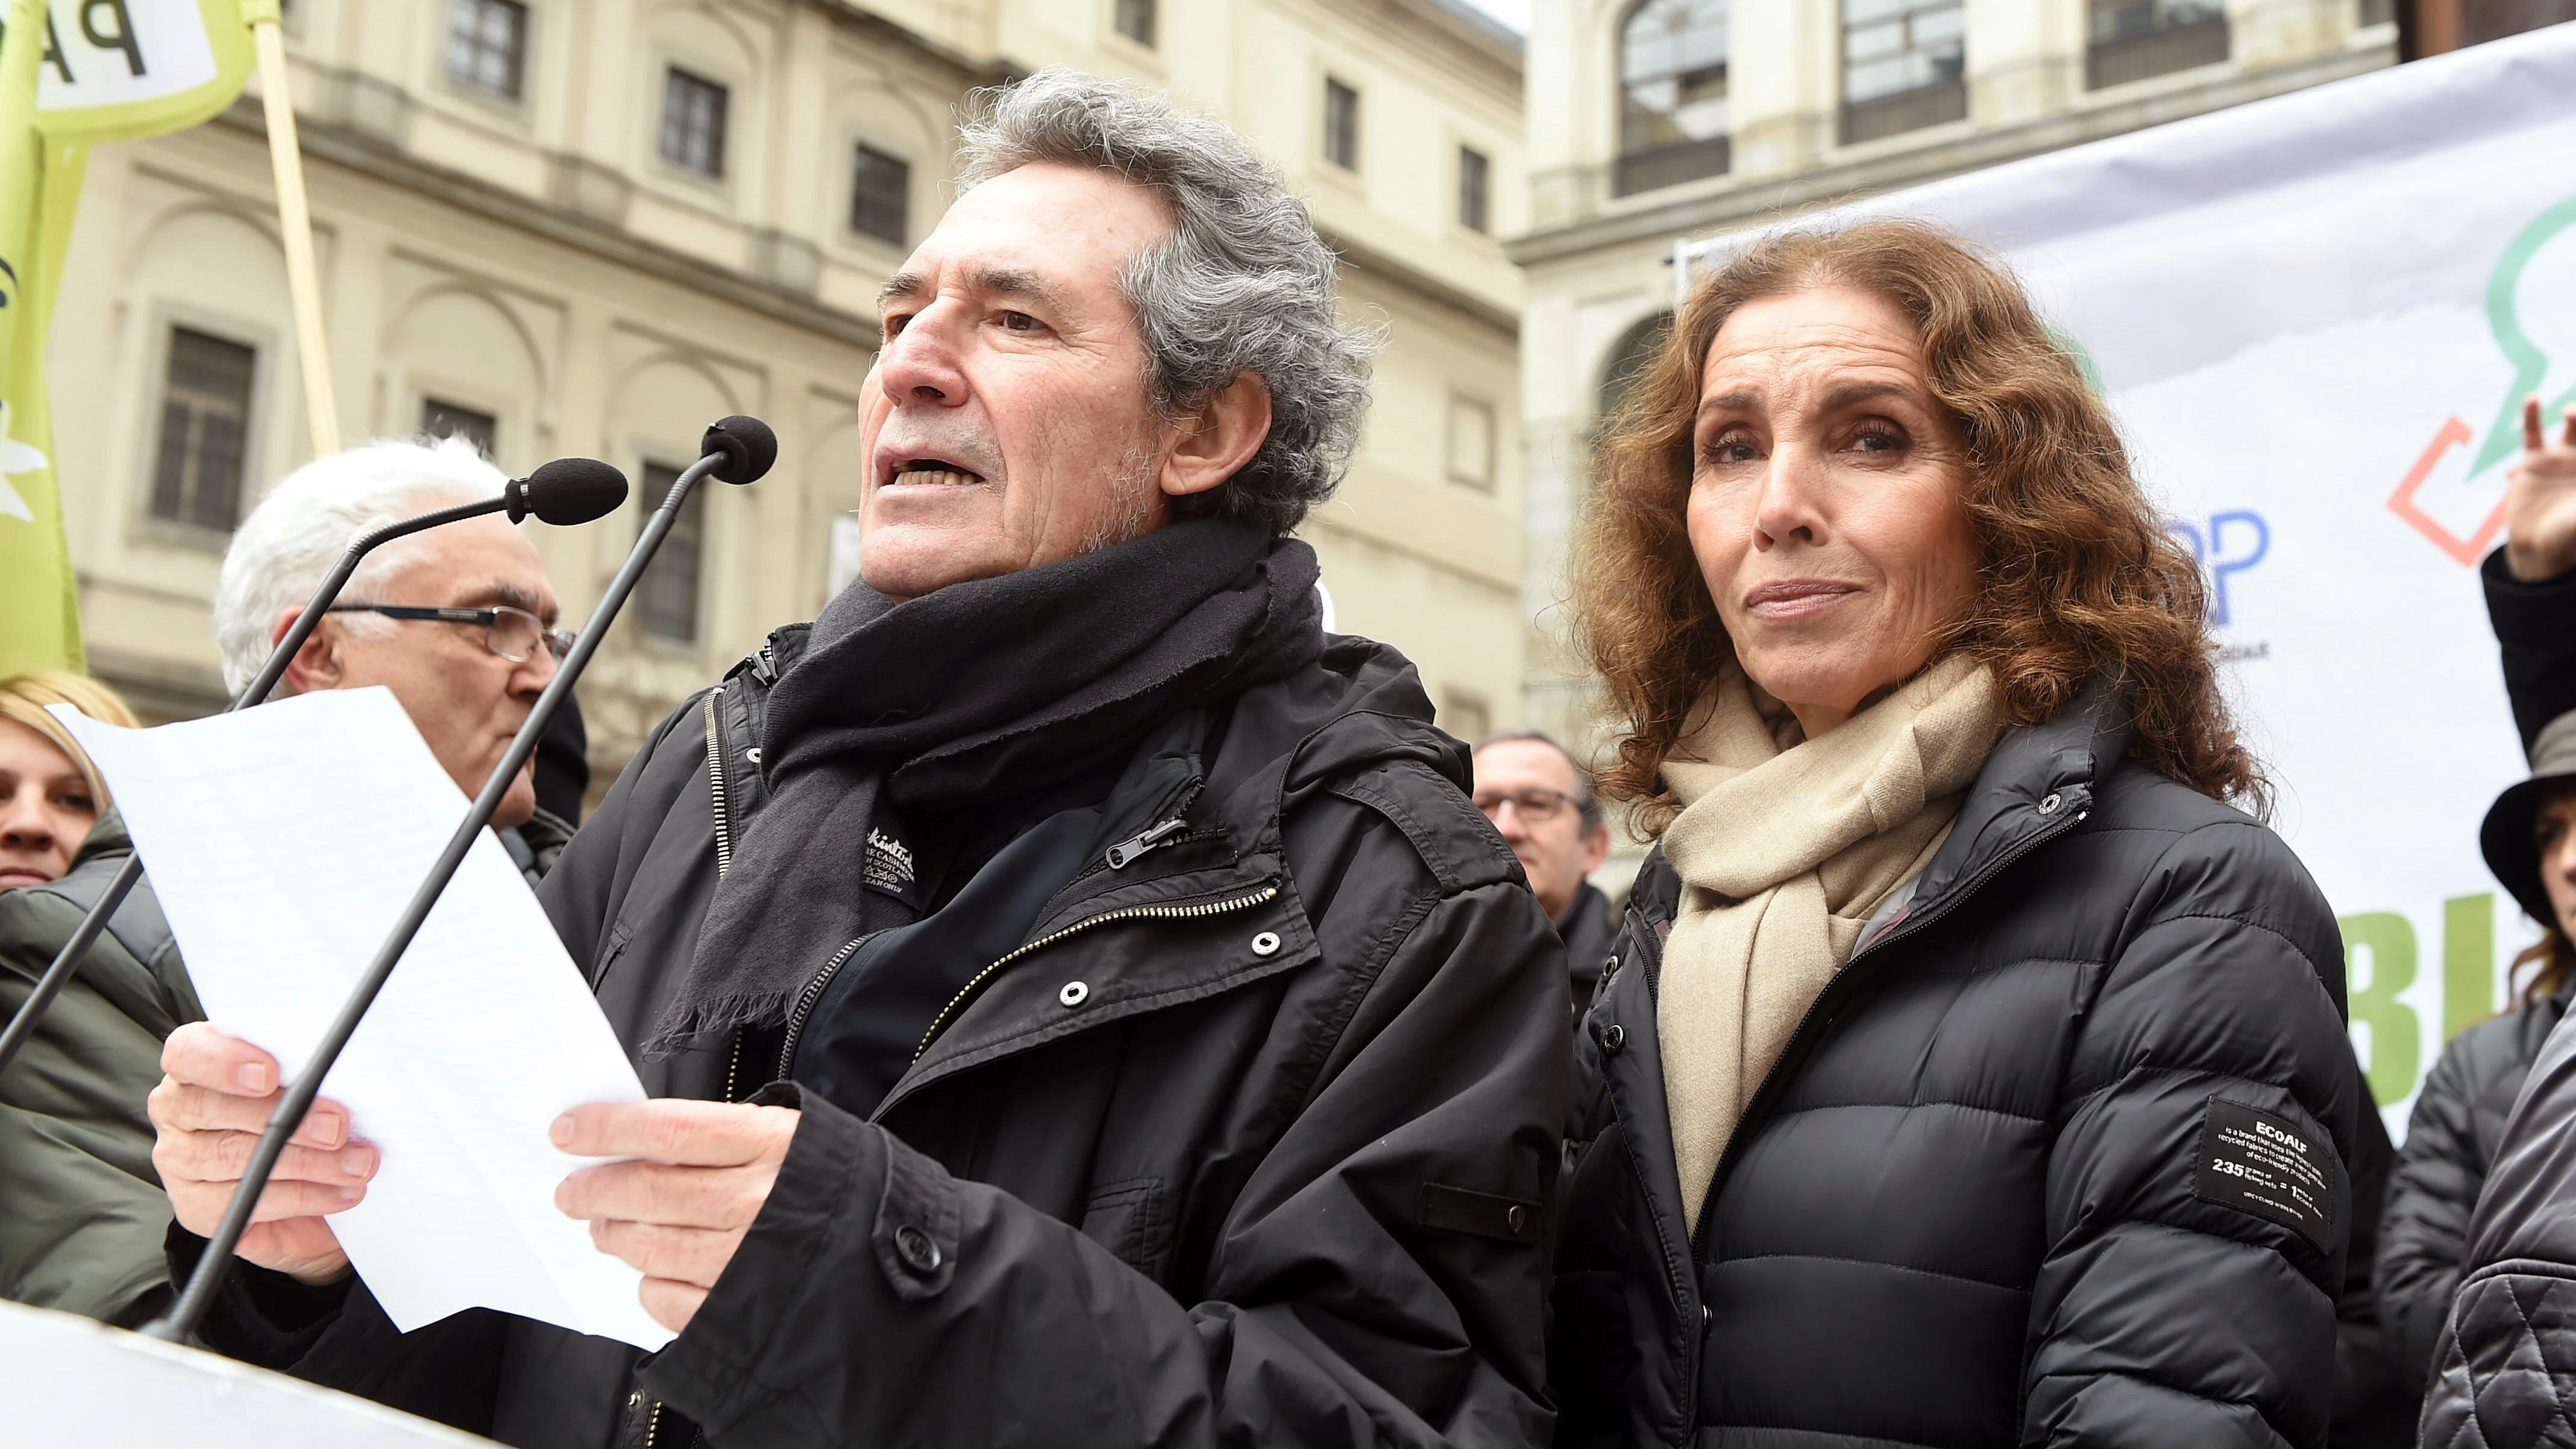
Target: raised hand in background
point(2540, 503)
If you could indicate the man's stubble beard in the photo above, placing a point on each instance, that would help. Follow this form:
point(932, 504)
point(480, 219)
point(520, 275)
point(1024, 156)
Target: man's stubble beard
point(1133, 505)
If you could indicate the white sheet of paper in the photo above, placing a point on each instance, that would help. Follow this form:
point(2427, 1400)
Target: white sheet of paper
point(282, 842)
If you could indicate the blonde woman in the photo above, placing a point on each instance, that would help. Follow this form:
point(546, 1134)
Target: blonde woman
point(50, 795)
point(82, 1213)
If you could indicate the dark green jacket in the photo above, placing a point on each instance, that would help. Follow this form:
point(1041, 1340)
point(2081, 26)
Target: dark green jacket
point(82, 1214)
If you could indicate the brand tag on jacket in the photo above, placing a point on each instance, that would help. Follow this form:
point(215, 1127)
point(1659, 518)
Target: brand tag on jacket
point(2268, 1166)
point(890, 868)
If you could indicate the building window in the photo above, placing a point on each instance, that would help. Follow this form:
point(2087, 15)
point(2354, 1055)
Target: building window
point(2134, 39)
point(1904, 66)
point(1465, 715)
point(487, 45)
point(205, 424)
point(1471, 443)
point(1341, 125)
point(693, 122)
point(1638, 346)
point(667, 595)
point(1673, 121)
point(881, 196)
point(447, 420)
point(1475, 190)
point(1135, 20)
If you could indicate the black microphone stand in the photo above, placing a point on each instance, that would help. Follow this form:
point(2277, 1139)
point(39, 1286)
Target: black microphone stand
point(22, 1025)
point(737, 449)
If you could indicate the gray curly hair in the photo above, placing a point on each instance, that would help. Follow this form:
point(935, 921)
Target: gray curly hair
point(1244, 284)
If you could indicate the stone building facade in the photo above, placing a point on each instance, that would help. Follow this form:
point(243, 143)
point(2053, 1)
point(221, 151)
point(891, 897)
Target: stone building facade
point(1654, 121)
point(593, 226)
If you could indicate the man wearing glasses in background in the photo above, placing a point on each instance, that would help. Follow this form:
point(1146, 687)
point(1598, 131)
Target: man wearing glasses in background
point(459, 623)
point(1541, 799)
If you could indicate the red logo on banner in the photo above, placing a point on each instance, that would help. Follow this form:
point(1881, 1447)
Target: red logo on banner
point(2454, 434)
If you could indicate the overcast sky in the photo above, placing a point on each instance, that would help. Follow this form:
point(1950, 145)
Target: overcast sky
point(1514, 13)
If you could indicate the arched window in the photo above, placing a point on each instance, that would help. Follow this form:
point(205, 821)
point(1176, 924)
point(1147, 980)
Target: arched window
point(1904, 66)
point(1636, 347)
point(1673, 120)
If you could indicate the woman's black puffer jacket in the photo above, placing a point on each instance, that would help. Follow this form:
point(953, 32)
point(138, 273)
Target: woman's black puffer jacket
point(2056, 1158)
point(2451, 1140)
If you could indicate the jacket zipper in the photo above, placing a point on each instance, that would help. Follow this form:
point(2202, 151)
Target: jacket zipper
point(811, 997)
point(1908, 926)
point(715, 785)
point(1125, 852)
point(1129, 913)
point(1153, 837)
point(724, 863)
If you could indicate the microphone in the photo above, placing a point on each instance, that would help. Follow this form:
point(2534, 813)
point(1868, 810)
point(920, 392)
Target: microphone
point(737, 450)
point(565, 491)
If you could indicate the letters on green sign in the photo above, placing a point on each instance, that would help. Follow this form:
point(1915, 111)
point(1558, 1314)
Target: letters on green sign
point(2396, 1033)
point(2468, 962)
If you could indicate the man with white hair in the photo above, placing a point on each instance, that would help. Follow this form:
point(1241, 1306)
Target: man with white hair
point(458, 621)
point(1158, 1047)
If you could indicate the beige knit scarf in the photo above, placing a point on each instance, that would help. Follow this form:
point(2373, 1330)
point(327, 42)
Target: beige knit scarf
point(1785, 846)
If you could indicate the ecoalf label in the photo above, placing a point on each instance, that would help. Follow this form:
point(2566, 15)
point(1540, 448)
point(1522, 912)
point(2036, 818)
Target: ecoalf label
point(2258, 1163)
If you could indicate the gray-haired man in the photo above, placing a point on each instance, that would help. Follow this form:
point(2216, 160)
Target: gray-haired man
point(1159, 1047)
point(1541, 799)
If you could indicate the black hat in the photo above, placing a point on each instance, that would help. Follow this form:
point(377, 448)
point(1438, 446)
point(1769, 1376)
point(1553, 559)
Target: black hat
point(2507, 837)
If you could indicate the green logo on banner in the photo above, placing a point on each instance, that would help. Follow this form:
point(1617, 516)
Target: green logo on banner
point(2505, 318)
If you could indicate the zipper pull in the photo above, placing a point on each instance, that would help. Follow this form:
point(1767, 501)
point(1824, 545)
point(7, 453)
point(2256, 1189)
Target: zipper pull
point(1135, 845)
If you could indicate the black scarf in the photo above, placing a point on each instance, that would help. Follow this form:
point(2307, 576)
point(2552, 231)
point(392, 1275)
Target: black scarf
point(985, 690)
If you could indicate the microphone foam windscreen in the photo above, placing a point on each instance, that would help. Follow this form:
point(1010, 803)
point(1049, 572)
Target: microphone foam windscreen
point(575, 490)
point(747, 443)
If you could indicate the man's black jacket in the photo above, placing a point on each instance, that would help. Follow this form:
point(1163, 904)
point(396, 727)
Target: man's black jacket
point(1993, 1192)
point(1278, 1174)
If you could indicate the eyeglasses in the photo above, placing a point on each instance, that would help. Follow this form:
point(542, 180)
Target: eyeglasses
point(1536, 806)
point(514, 634)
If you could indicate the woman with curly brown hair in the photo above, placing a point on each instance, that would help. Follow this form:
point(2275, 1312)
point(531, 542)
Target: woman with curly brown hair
point(1970, 1069)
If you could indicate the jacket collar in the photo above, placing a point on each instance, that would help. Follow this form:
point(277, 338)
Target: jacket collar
point(2039, 778)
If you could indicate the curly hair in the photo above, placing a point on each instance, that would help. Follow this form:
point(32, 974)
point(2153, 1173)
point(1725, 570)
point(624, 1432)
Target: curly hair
point(1243, 284)
point(2076, 574)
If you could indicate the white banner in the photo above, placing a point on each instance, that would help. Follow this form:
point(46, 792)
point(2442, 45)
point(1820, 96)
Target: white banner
point(2316, 317)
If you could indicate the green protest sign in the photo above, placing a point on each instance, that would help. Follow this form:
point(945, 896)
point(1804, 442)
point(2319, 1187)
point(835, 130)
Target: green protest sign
point(115, 69)
point(74, 72)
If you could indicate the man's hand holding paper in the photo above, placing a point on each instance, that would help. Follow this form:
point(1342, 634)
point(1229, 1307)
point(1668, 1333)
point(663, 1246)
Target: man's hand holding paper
point(209, 1113)
point(485, 1033)
point(695, 1175)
